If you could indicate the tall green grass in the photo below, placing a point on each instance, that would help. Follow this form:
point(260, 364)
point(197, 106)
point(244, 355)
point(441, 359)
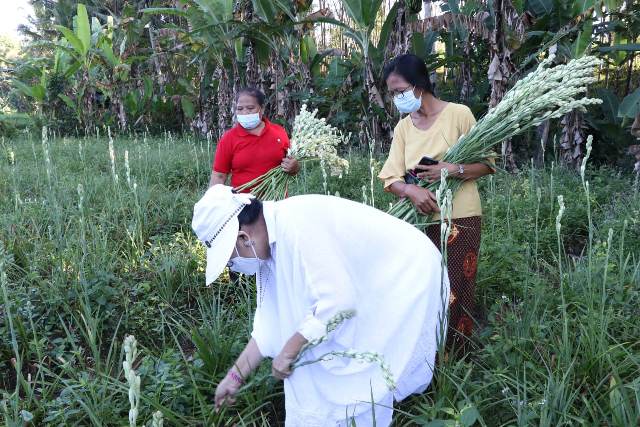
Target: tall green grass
point(92, 250)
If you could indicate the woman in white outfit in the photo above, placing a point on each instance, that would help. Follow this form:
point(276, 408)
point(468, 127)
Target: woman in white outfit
point(315, 257)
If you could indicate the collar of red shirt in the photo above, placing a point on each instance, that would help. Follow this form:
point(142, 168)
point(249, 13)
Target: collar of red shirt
point(243, 132)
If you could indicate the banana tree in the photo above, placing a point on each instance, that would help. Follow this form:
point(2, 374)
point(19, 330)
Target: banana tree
point(88, 48)
point(510, 22)
point(70, 55)
point(568, 28)
point(119, 69)
point(212, 33)
point(277, 51)
point(363, 16)
point(284, 37)
point(571, 29)
point(363, 13)
point(42, 80)
point(261, 43)
point(573, 132)
point(77, 42)
point(36, 91)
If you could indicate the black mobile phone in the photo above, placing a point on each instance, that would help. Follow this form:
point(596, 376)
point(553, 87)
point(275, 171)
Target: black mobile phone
point(412, 176)
point(427, 161)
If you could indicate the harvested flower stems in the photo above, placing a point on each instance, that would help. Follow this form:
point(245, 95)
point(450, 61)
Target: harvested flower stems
point(546, 93)
point(312, 139)
point(360, 356)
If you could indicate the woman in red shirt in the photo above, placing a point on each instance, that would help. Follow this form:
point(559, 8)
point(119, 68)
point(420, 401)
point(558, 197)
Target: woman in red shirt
point(253, 146)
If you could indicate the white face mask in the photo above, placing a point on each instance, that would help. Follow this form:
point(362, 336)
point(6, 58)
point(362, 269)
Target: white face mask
point(248, 266)
point(406, 102)
point(249, 121)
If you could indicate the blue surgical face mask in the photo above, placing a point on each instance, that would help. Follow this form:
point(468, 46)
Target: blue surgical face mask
point(249, 121)
point(406, 102)
point(244, 265)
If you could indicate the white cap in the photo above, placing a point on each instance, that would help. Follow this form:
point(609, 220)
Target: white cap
point(215, 222)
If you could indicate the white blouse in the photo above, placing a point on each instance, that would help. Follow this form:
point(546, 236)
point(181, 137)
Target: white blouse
point(330, 255)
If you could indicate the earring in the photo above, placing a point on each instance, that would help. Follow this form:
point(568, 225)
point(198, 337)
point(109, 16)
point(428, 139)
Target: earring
point(249, 243)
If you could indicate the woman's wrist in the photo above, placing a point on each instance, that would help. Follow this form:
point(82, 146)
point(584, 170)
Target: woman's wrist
point(407, 189)
point(294, 345)
point(235, 376)
point(454, 170)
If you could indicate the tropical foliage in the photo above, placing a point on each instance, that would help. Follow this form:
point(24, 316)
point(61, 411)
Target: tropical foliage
point(175, 65)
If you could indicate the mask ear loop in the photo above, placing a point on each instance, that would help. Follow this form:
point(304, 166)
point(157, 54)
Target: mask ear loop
point(249, 244)
point(253, 248)
point(235, 248)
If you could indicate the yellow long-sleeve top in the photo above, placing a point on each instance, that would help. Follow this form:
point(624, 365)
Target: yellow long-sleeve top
point(410, 144)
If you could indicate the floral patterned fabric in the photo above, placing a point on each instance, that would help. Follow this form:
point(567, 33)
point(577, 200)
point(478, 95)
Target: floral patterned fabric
point(463, 248)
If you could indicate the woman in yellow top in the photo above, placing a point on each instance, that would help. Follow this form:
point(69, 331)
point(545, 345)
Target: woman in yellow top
point(429, 129)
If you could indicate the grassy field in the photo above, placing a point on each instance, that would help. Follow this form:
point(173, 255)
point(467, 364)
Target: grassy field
point(95, 244)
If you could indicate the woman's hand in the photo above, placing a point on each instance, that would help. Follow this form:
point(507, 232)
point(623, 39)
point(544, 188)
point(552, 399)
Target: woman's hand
point(281, 367)
point(423, 199)
point(248, 360)
point(290, 165)
point(432, 173)
point(226, 391)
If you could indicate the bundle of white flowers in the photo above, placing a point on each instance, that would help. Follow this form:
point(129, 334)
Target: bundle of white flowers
point(546, 93)
point(362, 357)
point(312, 139)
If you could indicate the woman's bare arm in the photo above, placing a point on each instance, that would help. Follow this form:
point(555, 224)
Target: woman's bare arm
point(218, 178)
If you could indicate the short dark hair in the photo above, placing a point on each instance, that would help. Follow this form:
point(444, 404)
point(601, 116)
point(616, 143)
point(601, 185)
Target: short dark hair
point(250, 213)
point(252, 91)
point(412, 68)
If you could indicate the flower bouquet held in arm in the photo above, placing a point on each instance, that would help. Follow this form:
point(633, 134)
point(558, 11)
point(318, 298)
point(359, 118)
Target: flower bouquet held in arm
point(546, 93)
point(312, 139)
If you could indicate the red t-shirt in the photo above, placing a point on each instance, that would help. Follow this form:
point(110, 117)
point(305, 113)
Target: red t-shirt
point(247, 156)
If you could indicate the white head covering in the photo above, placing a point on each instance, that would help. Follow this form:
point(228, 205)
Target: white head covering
point(215, 222)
